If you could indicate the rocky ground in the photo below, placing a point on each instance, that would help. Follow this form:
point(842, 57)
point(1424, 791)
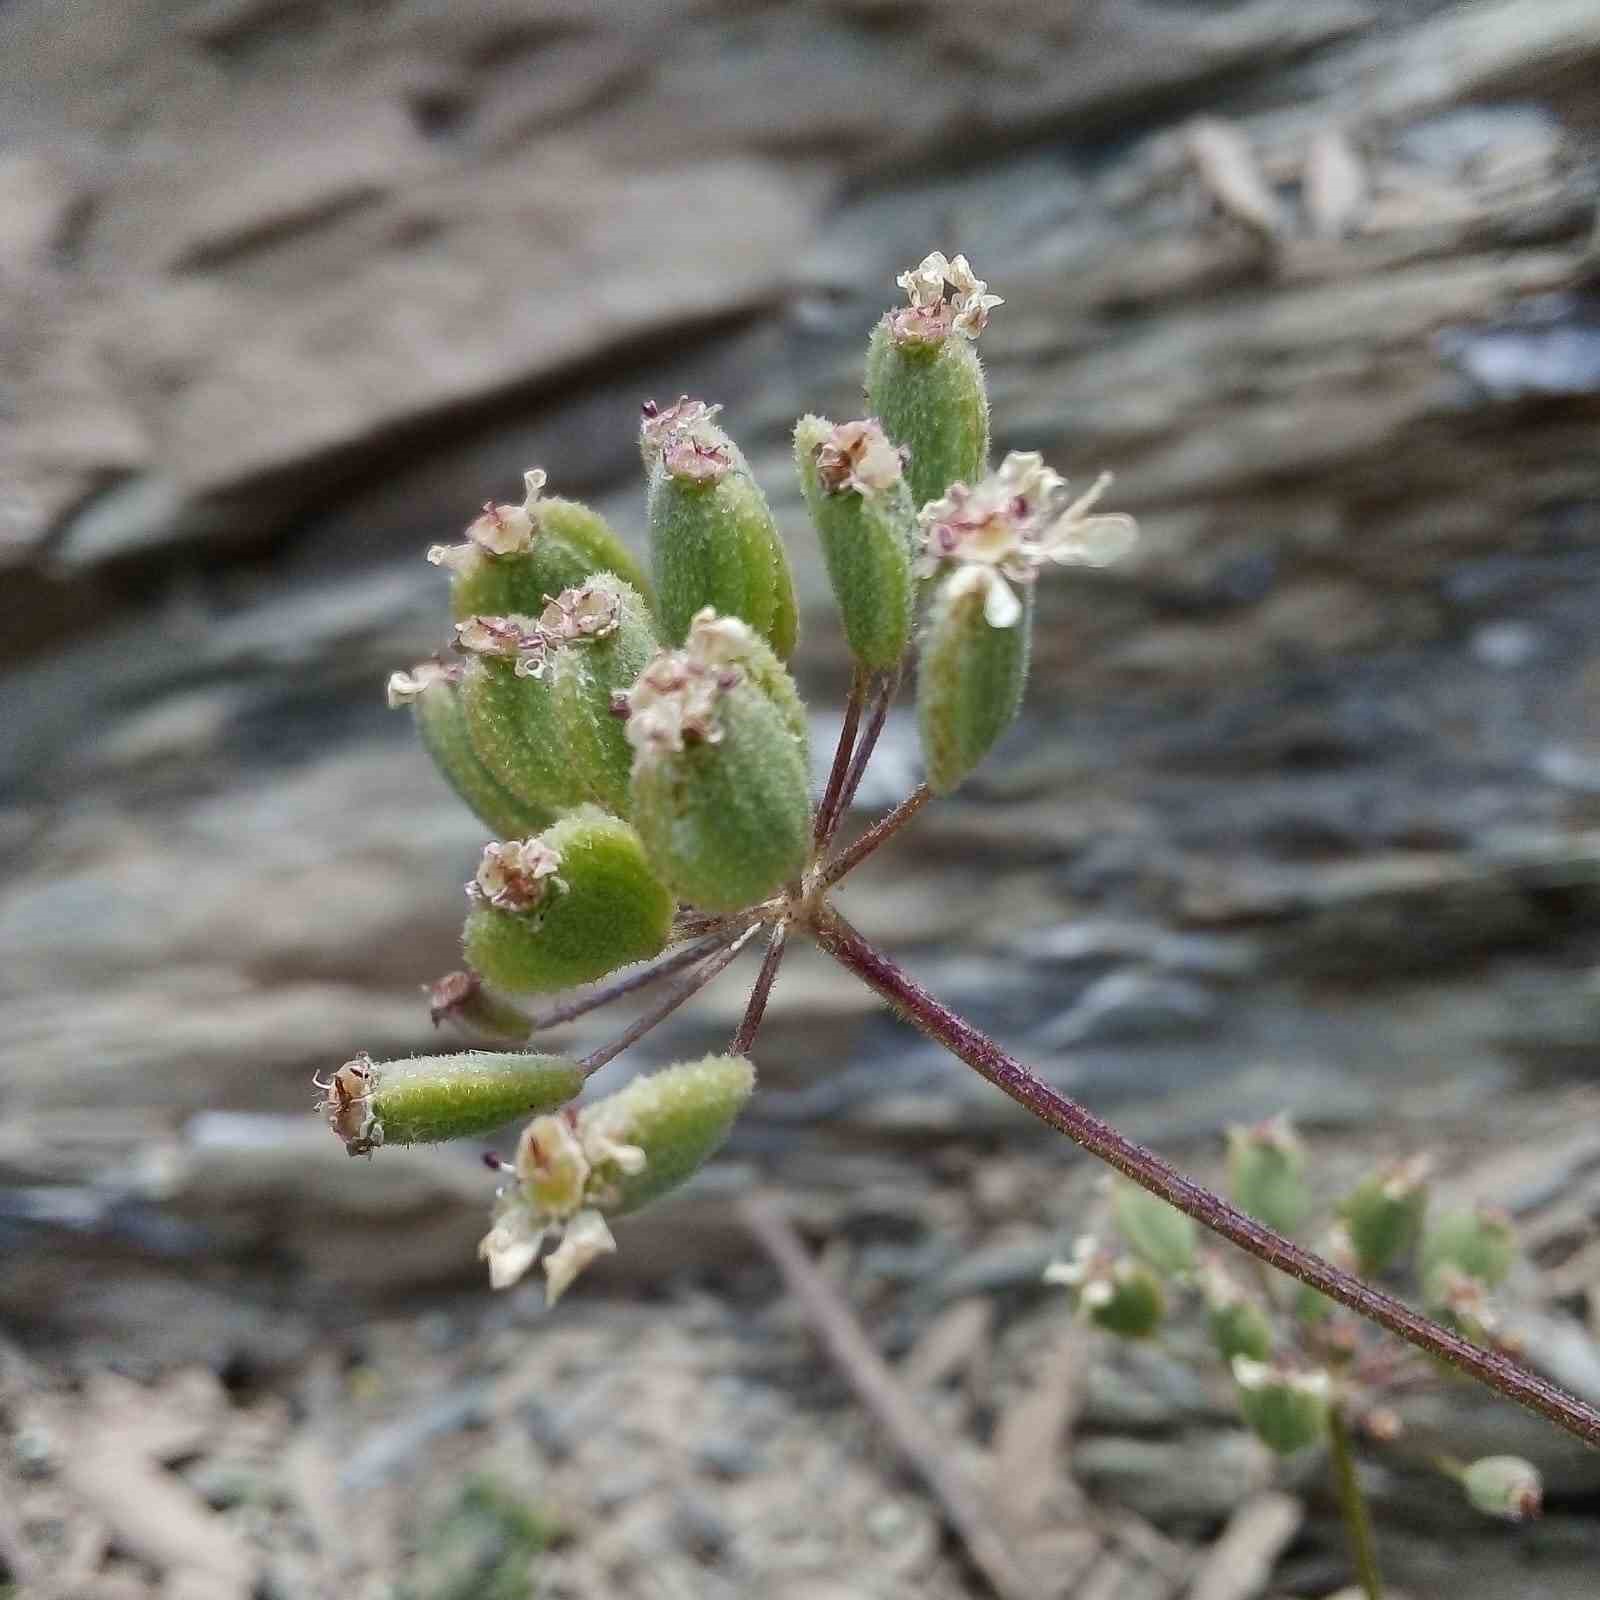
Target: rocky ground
point(1304, 812)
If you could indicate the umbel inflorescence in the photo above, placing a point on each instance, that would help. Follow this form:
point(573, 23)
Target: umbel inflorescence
point(635, 743)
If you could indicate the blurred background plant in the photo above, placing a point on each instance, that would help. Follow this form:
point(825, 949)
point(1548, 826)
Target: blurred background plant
point(1301, 813)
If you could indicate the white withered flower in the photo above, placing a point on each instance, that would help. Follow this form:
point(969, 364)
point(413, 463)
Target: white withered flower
point(934, 313)
point(513, 875)
point(1002, 530)
point(498, 530)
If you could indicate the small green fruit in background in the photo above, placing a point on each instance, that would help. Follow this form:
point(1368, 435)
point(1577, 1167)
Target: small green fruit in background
point(1239, 1326)
point(720, 781)
point(565, 908)
point(432, 691)
point(925, 383)
point(713, 541)
point(426, 1099)
point(1480, 1244)
point(1116, 1293)
point(516, 557)
point(1161, 1235)
point(1286, 1409)
point(1267, 1173)
point(1504, 1486)
point(860, 503)
point(1383, 1215)
point(614, 1156)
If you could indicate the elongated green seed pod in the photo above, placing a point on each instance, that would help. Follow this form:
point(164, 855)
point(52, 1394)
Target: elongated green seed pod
point(435, 701)
point(427, 1099)
point(587, 669)
point(860, 504)
point(931, 398)
point(518, 735)
point(566, 908)
point(713, 540)
point(727, 821)
point(970, 678)
point(678, 1117)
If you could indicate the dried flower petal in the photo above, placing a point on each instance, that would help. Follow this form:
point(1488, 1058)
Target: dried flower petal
point(859, 456)
point(584, 1238)
point(405, 687)
point(513, 875)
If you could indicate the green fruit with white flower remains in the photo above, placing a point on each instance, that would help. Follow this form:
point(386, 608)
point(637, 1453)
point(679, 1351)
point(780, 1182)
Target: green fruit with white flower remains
point(566, 908)
point(713, 540)
point(427, 1099)
point(971, 676)
point(860, 504)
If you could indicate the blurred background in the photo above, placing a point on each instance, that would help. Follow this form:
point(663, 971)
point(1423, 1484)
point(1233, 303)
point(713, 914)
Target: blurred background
point(1303, 814)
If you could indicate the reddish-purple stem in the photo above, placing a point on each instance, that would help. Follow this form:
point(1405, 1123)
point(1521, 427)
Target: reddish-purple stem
point(828, 806)
point(757, 1009)
point(1147, 1169)
point(890, 823)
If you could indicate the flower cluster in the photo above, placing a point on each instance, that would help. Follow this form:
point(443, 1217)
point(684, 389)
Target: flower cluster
point(565, 1165)
point(685, 438)
point(499, 530)
point(931, 317)
point(514, 875)
point(1011, 523)
point(589, 612)
point(859, 456)
point(675, 701)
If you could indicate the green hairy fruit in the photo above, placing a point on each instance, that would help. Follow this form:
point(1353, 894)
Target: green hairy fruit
point(932, 399)
point(970, 678)
point(565, 908)
point(713, 541)
point(441, 719)
point(602, 637)
point(720, 781)
point(679, 1118)
point(515, 728)
point(860, 504)
point(426, 1099)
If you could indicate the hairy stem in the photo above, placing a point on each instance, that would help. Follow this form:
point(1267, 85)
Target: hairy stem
point(666, 967)
point(757, 1009)
point(718, 960)
point(829, 806)
point(887, 689)
point(889, 824)
point(1353, 1504)
point(1147, 1169)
